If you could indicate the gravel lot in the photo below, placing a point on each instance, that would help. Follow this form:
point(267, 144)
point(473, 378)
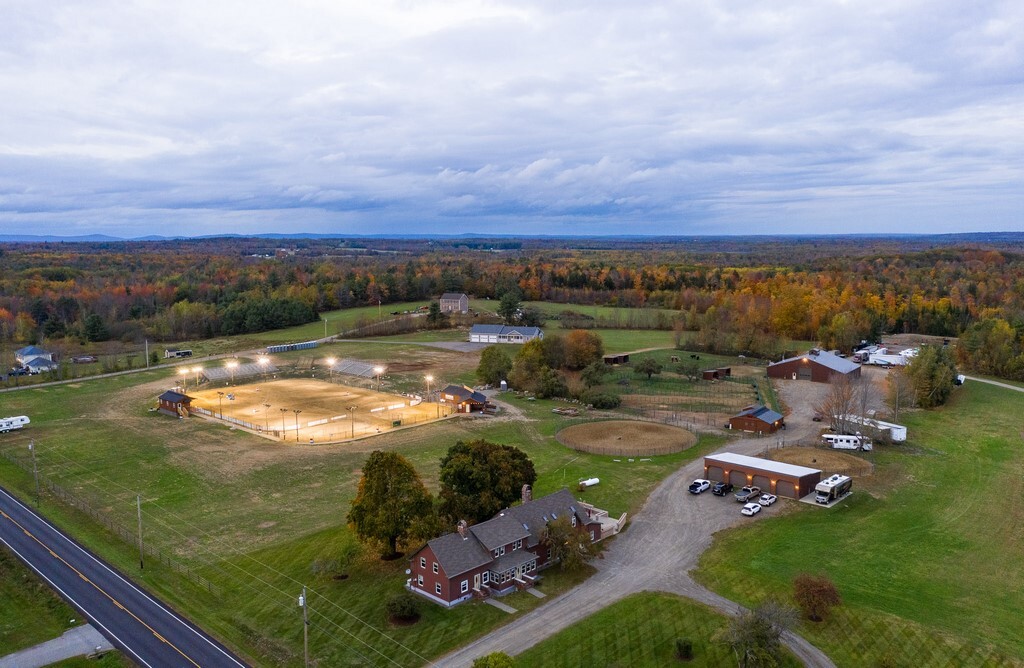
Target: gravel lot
point(661, 546)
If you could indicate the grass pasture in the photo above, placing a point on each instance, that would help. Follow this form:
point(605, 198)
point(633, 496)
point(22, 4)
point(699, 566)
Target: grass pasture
point(926, 553)
point(639, 631)
point(252, 516)
point(325, 414)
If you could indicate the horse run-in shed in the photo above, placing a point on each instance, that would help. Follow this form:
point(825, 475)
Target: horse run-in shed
point(778, 478)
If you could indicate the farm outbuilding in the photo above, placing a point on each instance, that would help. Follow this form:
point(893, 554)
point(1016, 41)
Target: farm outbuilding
point(816, 365)
point(174, 403)
point(465, 399)
point(621, 358)
point(779, 478)
point(757, 419)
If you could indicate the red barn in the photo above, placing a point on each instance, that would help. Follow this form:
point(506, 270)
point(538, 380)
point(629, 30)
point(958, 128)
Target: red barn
point(817, 365)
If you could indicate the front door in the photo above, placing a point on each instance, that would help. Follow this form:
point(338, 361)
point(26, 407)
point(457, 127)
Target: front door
point(476, 581)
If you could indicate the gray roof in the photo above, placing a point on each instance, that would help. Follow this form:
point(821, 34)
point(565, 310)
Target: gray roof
point(536, 514)
point(504, 330)
point(453, 295)
point(457, 555)
point(498, 531)
point(30, 350)
point(40, 362)
point(827, 359)
point(763, 414)
point(464, 393)
point(174, 397)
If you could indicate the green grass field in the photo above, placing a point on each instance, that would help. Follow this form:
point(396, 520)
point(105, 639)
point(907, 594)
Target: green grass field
point(30, 612)
point(926, 553)
point(638, 631)
point(251, 516)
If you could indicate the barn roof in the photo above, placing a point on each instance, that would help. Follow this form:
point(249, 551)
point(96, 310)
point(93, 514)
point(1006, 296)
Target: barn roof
point(174, 397)
point(763, 464)
point(464, 393)
point(759, 412)
point(826, 359)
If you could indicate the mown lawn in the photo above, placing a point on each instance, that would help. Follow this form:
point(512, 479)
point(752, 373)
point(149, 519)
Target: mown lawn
point(640, 630)
point(252, 515)
point(926, 553)
point(30, 612)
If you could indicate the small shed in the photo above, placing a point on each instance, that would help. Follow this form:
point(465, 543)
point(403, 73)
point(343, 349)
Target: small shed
point(709, 374)
point(758, 419)
point(621, 358)
point(174, 403)
point(777, 478)
point(465, 399)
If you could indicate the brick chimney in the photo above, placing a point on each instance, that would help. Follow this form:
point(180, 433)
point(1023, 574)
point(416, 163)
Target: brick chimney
point(462, 528)
point(527, 494)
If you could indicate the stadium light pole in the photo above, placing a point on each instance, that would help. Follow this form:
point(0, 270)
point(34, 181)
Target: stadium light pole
point(296, 411)
point(266, 416)
point(283, 411)
point(232, 365)
point(198, 370)
point(352, 415)
point(184, 378)
point(263, 362)
point(330, 368)
point(378, 370)
point(305, 624)
point(220, 398)
point(429, 380)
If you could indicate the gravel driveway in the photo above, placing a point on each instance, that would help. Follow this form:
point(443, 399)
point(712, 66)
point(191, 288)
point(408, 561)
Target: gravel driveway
point(661, 546)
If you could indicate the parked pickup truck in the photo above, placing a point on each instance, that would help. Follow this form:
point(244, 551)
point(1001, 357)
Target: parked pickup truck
point(748, 493)
point(721, 488)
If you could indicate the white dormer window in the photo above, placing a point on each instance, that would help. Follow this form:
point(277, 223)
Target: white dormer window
point(518, 545)
point(574, 520)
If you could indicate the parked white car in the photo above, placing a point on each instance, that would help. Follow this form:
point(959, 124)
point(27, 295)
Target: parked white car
point(699, 485)
point(767, 499)
point(751, 509)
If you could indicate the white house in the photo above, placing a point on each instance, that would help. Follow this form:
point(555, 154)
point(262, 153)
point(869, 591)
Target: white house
point(29, 353)
point(503, 334)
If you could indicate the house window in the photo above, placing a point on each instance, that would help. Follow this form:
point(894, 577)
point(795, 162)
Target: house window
point(499, 551)
point(435, 568)
point(574, 520)
point(423, 562)
point(487, 577)
point(592, 536)
point(419, 580)
point(437, 588)
point(465, 586)
point(518, 545)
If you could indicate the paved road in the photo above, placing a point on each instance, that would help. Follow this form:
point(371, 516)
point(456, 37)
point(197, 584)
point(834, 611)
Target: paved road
point(662, 545)
point(80, 641)
point(995, 382)
point(135, 622)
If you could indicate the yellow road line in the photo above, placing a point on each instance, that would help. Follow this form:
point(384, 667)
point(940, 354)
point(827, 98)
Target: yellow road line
point(100, 590)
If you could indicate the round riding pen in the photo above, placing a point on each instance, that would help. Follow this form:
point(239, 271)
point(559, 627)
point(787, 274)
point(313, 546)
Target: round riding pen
point(626, 438)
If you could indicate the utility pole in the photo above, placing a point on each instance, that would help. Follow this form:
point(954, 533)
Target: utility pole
point(35, 469)
point(138, 505)
point(147, 353)
point(305, 626)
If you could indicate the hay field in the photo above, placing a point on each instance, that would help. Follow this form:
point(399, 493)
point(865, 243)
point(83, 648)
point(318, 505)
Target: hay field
point(627, 438)
point(324, 414)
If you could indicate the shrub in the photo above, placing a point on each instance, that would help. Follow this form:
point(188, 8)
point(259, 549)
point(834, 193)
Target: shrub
point(601, 400)
point(403, 607)
point(815, 595)
point(684, 649)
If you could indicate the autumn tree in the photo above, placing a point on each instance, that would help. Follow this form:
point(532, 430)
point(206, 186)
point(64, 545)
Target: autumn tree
point(390, 498)
point(648, 366)
point(582, 348)
point(494, 366)
point(932, 374)
point(816, 595)
point(594, 374)
point(494, 660)
point(480, 478)
point(569, 546)
point(845, 397)
point(528, 366)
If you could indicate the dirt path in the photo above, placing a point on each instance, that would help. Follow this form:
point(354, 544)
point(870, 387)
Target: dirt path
point(661, 547)
point(996, 383)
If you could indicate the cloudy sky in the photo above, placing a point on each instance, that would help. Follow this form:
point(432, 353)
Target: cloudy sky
point(697, 117)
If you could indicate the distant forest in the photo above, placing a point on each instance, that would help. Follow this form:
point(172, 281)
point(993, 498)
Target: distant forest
point(735, 293)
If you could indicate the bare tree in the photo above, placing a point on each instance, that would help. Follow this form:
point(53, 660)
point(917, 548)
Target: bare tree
point(900, 394)
point(756, 635)
point(845, 397)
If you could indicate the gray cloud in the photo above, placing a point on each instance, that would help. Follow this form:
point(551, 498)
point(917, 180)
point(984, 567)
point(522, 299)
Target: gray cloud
point(692, 117)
